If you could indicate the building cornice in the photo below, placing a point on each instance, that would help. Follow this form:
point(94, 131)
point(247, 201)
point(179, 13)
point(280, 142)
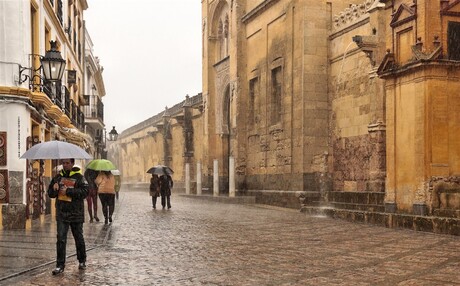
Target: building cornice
point(257, 10)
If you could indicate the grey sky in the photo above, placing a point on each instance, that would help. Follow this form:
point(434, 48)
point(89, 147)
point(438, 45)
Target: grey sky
point(151, 54)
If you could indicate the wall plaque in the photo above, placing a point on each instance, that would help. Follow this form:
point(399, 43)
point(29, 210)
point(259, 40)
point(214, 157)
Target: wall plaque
point(3, 186)
point(2, 148)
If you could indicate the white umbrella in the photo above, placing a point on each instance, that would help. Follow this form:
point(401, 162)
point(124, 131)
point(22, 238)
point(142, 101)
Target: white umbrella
point(55, 150)
point(115, 172)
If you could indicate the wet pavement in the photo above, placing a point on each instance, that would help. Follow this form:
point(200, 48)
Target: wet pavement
point(202, 242)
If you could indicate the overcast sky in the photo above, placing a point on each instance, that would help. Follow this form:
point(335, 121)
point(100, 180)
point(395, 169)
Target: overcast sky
point(151, 54)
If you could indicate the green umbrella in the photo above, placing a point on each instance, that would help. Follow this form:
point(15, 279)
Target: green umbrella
point(101, 165)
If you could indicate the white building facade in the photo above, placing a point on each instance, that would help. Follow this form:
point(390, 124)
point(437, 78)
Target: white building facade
point(32, 109)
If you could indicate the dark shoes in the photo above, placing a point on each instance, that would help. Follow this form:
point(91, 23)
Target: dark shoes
point(110, 219)
point(106, 221)
point(91, 220)
point(58, 270)
point(169, 207)
point(96, 218)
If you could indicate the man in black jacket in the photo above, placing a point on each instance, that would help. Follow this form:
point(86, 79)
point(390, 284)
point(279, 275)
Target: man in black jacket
point(70, 188)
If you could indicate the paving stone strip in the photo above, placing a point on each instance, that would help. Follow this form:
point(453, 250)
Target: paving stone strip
point(203, 242)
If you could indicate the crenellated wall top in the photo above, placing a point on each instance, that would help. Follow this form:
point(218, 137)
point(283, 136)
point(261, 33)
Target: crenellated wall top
point(190, 101)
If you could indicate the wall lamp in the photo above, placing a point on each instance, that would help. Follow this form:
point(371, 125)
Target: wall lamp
point(113, 134)
point(52, 64)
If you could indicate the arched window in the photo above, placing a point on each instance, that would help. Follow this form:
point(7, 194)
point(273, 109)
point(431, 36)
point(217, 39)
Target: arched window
point(223, 32)
point(221, 29)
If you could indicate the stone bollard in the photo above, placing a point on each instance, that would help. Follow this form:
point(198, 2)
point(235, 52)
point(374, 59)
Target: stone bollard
point(231, 177)
point(215, 185)
point(198, 179)
point(187, 178)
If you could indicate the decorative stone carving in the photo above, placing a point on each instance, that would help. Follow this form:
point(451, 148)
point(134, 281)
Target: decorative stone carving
point(353, 14)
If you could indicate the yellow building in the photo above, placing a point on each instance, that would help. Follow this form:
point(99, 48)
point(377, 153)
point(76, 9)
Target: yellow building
point(34, 108)
point(422, 83)
point(350, 105)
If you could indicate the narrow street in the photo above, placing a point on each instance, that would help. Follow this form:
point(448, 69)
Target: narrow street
point(201, 242)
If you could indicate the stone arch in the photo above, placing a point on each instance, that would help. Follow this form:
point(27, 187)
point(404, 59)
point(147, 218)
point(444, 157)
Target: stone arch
point(220, 29)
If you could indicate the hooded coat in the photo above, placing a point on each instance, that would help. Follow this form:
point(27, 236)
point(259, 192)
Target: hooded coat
point(70, 208)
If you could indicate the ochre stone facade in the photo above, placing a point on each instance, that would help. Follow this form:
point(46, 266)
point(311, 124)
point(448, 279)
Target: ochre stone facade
point(353, 103)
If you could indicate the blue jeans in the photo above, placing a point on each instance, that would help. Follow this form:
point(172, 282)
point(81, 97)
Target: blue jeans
point(77, 232)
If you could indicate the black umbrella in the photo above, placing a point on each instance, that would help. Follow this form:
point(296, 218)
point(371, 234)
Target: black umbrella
point(160, 170)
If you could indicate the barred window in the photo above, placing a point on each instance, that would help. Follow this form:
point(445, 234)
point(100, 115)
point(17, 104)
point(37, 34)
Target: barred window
point(253, 101)
point(276, 95)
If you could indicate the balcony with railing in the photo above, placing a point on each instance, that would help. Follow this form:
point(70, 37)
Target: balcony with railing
point(60, 96)
point(94, 111)
point(77, 117)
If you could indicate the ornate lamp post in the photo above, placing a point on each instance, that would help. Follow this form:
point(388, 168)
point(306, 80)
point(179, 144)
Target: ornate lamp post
point(113, 134)
point(53, 64)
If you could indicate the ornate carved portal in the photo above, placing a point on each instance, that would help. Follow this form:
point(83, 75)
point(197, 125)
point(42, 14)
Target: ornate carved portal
point(223, 112)
point(222, 90)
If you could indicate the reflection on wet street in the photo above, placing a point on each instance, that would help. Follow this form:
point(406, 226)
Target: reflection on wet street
point(201, 242)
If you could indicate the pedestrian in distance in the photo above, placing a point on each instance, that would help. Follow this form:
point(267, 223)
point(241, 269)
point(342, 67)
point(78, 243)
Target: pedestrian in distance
point(154, 189)
point(91, 199)
point(117, 185)
point(105, 182)
point(166, 184)
point(70, 188)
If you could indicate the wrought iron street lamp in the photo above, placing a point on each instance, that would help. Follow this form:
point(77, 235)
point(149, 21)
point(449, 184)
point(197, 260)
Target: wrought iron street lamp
point(113, 134)
point(52, 64)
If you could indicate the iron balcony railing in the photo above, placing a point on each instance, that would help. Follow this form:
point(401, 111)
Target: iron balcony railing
point(94, 109)
point(60, 95)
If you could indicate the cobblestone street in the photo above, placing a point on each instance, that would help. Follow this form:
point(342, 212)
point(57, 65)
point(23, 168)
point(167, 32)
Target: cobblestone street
point(201, 242)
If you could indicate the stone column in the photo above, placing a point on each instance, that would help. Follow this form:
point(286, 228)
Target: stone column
point(198, 178)
point(187, 178)
point(231, 177)
point(215, 186)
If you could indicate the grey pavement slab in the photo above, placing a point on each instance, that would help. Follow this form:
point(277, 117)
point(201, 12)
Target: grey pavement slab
point(201, 242)
point(23, 250)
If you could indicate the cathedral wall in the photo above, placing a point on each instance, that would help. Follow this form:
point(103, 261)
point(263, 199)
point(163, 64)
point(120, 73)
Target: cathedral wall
point(356, 102)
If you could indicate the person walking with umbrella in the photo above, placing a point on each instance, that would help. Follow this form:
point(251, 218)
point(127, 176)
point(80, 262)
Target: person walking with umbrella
point(70, 188)
point(166, 184)
point(105, 182)
point(154, 189)
point(91, 199)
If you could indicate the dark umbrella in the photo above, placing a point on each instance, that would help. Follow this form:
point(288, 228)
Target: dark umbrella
point(160, 170)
